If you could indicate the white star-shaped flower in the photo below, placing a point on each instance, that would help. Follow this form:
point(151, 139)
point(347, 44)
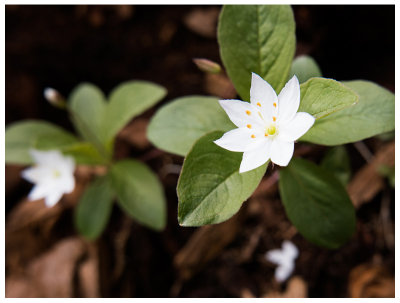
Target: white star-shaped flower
point(267, 126)
point(52, 174)
point(284, 258)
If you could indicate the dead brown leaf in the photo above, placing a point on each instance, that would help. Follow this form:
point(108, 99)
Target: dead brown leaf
point(368, 182)
point(203, 21)
point(204, 245)
point(219, 85)
point(51, 275)
point(135, 133)
point(371, 281)
point(296, 288)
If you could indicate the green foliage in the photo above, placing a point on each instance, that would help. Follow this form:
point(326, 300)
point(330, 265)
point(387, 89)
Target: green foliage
point(178, 125)
point(86, 105)
point(94, 208)
point(82, 152)
point(24, 135)
point(256, 38)
point(99, 121)
point(337, 161)
point(139, 193)
point(322, 97)
point(317, 203)
point(127, 101)
point(304, 67)
point(374, 114)
point(210, 188)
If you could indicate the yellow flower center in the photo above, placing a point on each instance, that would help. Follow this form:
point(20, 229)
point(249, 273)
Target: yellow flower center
point(271, 130)
point(56, 173)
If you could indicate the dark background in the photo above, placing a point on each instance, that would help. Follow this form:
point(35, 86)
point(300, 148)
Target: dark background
point(61, 46)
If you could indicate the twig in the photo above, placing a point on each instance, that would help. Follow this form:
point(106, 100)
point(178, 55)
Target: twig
point(363, 149)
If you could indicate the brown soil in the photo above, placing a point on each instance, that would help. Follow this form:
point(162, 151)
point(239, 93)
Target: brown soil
point(61, 46)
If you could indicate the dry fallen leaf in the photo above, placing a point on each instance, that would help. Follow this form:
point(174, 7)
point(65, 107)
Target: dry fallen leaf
point(203, 21)
point(371, 281)
point(296, 288)
point(368, 182)
point(51, 275)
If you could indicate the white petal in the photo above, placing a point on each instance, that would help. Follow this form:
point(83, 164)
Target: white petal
point(290, 250)
point(39, 191)
point(241, 113)
point(255, 158)
point(283, 272)
point(68, 184)
point(240, 140)
point(281, 152)
point(52, 198)
point(35, 174)
point(289, 100)
point(297, 127)
point(263, 94)
point(46, 157)
point(275, 256)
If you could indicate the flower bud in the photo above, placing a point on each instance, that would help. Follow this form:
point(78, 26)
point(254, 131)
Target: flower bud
point(207, 66)
point(54, 97)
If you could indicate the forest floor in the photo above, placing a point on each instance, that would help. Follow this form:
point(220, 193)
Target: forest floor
point(61, 46)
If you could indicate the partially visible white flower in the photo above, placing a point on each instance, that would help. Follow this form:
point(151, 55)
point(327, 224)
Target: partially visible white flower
point(52, 174)
point(267, 126)
point(284, 258)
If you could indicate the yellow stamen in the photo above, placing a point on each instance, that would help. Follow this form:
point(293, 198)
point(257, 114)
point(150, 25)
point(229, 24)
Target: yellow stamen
point(258, 103)
point(248, 125)
point(266, 135)
point(274, 118)
point(253, 136)
point(271, 130)
point(248, 112)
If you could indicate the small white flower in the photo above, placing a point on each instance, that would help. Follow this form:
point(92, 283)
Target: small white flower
point(267, 126)
point(284, 258)
point(53, 176)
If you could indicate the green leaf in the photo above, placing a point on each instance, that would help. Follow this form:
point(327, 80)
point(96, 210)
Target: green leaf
point(177, 125)
point(22, 136)
point(139, 193)
point(374, 114)
point(210, 188)
point(257, 38)
point(337, 161)
point(87, 105)
point(127, 101)
point(305, 67)
point(82, 152)
point(317, 203)
point(322, 97)
point(94, 208)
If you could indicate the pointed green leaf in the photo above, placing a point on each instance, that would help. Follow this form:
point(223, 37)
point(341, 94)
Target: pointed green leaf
point(177, 125)
point(139, 193)
point(322, 97)
point(317, 203)
point(94, 208)
point(337, 161)
point(210, 188)
point(22, 136)
point(257, 38)
point(373, 114)
point(87, 105)
point(127, 101)
point(304, 67)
